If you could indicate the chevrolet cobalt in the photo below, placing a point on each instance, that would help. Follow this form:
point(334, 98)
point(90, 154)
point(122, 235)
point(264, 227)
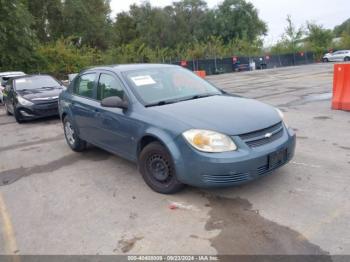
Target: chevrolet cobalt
point(177, 127)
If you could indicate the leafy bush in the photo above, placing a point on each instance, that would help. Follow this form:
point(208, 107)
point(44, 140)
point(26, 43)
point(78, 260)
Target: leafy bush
point(63, 57)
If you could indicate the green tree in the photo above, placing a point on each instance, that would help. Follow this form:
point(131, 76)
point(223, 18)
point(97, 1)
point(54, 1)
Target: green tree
point(293, 35)
point(17, 40)
point(291, 41)
point(61, 57)
point(345, 41)
point(153, 25)
point(238, 19)
point(343, 28)
point(48, 18)
point(189, 17)
point(318, 39)
point(124, 29)
point(88, 21)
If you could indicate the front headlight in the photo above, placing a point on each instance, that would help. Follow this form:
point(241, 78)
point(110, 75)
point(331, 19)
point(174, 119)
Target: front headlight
point(23, 101)
point(209, 141)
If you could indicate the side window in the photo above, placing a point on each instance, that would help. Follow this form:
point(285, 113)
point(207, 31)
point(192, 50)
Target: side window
point(84, 85)
point(109, 86)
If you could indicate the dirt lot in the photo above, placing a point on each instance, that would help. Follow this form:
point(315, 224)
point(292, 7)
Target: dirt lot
point(54, 201)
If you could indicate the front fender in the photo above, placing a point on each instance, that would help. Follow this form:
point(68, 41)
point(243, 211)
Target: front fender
point(169, 141)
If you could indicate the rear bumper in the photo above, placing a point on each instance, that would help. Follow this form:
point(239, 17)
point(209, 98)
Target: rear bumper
point(232, 168)
point(38, 111)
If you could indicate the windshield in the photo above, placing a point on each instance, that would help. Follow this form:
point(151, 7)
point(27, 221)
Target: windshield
point(35, 82)
point(168, 84)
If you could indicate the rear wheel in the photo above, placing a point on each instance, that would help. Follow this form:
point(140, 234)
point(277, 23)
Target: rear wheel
point(158, 170)
point(346, 59)
point(73, 140)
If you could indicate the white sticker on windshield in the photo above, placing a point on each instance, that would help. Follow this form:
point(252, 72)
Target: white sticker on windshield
point(143, 80)
point(20, 81)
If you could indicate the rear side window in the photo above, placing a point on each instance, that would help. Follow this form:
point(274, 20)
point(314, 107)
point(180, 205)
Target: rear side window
point(84, 85)
point(109, 86)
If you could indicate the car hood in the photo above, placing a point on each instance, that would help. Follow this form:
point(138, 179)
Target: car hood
point(226, 114)
point(40, 94)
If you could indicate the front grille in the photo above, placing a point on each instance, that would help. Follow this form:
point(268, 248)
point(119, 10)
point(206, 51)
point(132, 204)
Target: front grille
point(227, 178)
point(47, 112)
point(47, 104)
point(258, 138)
point(46, 109)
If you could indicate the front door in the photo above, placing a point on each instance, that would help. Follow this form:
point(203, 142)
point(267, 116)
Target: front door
point(115, 128)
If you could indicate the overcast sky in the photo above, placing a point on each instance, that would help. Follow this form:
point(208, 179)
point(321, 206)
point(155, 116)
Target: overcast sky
point(274, 12)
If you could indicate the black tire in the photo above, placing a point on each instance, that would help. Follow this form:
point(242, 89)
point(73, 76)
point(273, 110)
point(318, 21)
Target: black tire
point(325, 60)
point(18, 116)
point(158, 170)
point(346, 59)
point(77, 144)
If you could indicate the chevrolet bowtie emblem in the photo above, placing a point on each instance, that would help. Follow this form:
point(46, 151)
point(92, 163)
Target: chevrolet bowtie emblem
point(268, 135)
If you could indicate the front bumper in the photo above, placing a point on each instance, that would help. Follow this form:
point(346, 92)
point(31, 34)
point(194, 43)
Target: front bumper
point(38, 110)
point(231, 168)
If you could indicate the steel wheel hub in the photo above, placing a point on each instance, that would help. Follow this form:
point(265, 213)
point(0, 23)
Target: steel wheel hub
point(159, 168)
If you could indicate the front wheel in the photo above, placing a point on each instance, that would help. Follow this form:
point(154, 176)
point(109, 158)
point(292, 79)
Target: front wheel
point(18, 116)
point(158, 170)
point(73, 140)
point(325, 60)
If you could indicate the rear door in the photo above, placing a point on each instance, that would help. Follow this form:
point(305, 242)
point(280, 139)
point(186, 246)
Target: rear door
point(84, 104)
point(115, 128)
point(337, 56)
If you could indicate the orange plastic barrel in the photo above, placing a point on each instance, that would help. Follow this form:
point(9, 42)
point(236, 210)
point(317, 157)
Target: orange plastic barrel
point(201, 73)
point(341, 87)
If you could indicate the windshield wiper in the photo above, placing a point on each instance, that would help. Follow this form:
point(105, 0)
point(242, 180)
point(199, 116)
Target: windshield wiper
point(48, 87)
point(166, 102)
point(198, 96)
point(162, 103)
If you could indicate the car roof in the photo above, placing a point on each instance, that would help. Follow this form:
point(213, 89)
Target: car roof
point(129, 67)
point(28, 76)
point(2, 74)
point(34, 75)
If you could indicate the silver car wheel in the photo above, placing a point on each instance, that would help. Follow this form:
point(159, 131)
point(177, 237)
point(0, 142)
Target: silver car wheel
point(69, 132)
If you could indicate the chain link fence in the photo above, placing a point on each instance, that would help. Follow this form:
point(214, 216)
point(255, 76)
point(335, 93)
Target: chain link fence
point(245, 63)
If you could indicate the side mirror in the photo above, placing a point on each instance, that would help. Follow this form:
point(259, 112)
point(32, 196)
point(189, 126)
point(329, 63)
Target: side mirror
point(114, 102)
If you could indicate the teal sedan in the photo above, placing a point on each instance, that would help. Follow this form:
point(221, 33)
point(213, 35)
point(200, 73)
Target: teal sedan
point(178, 128)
